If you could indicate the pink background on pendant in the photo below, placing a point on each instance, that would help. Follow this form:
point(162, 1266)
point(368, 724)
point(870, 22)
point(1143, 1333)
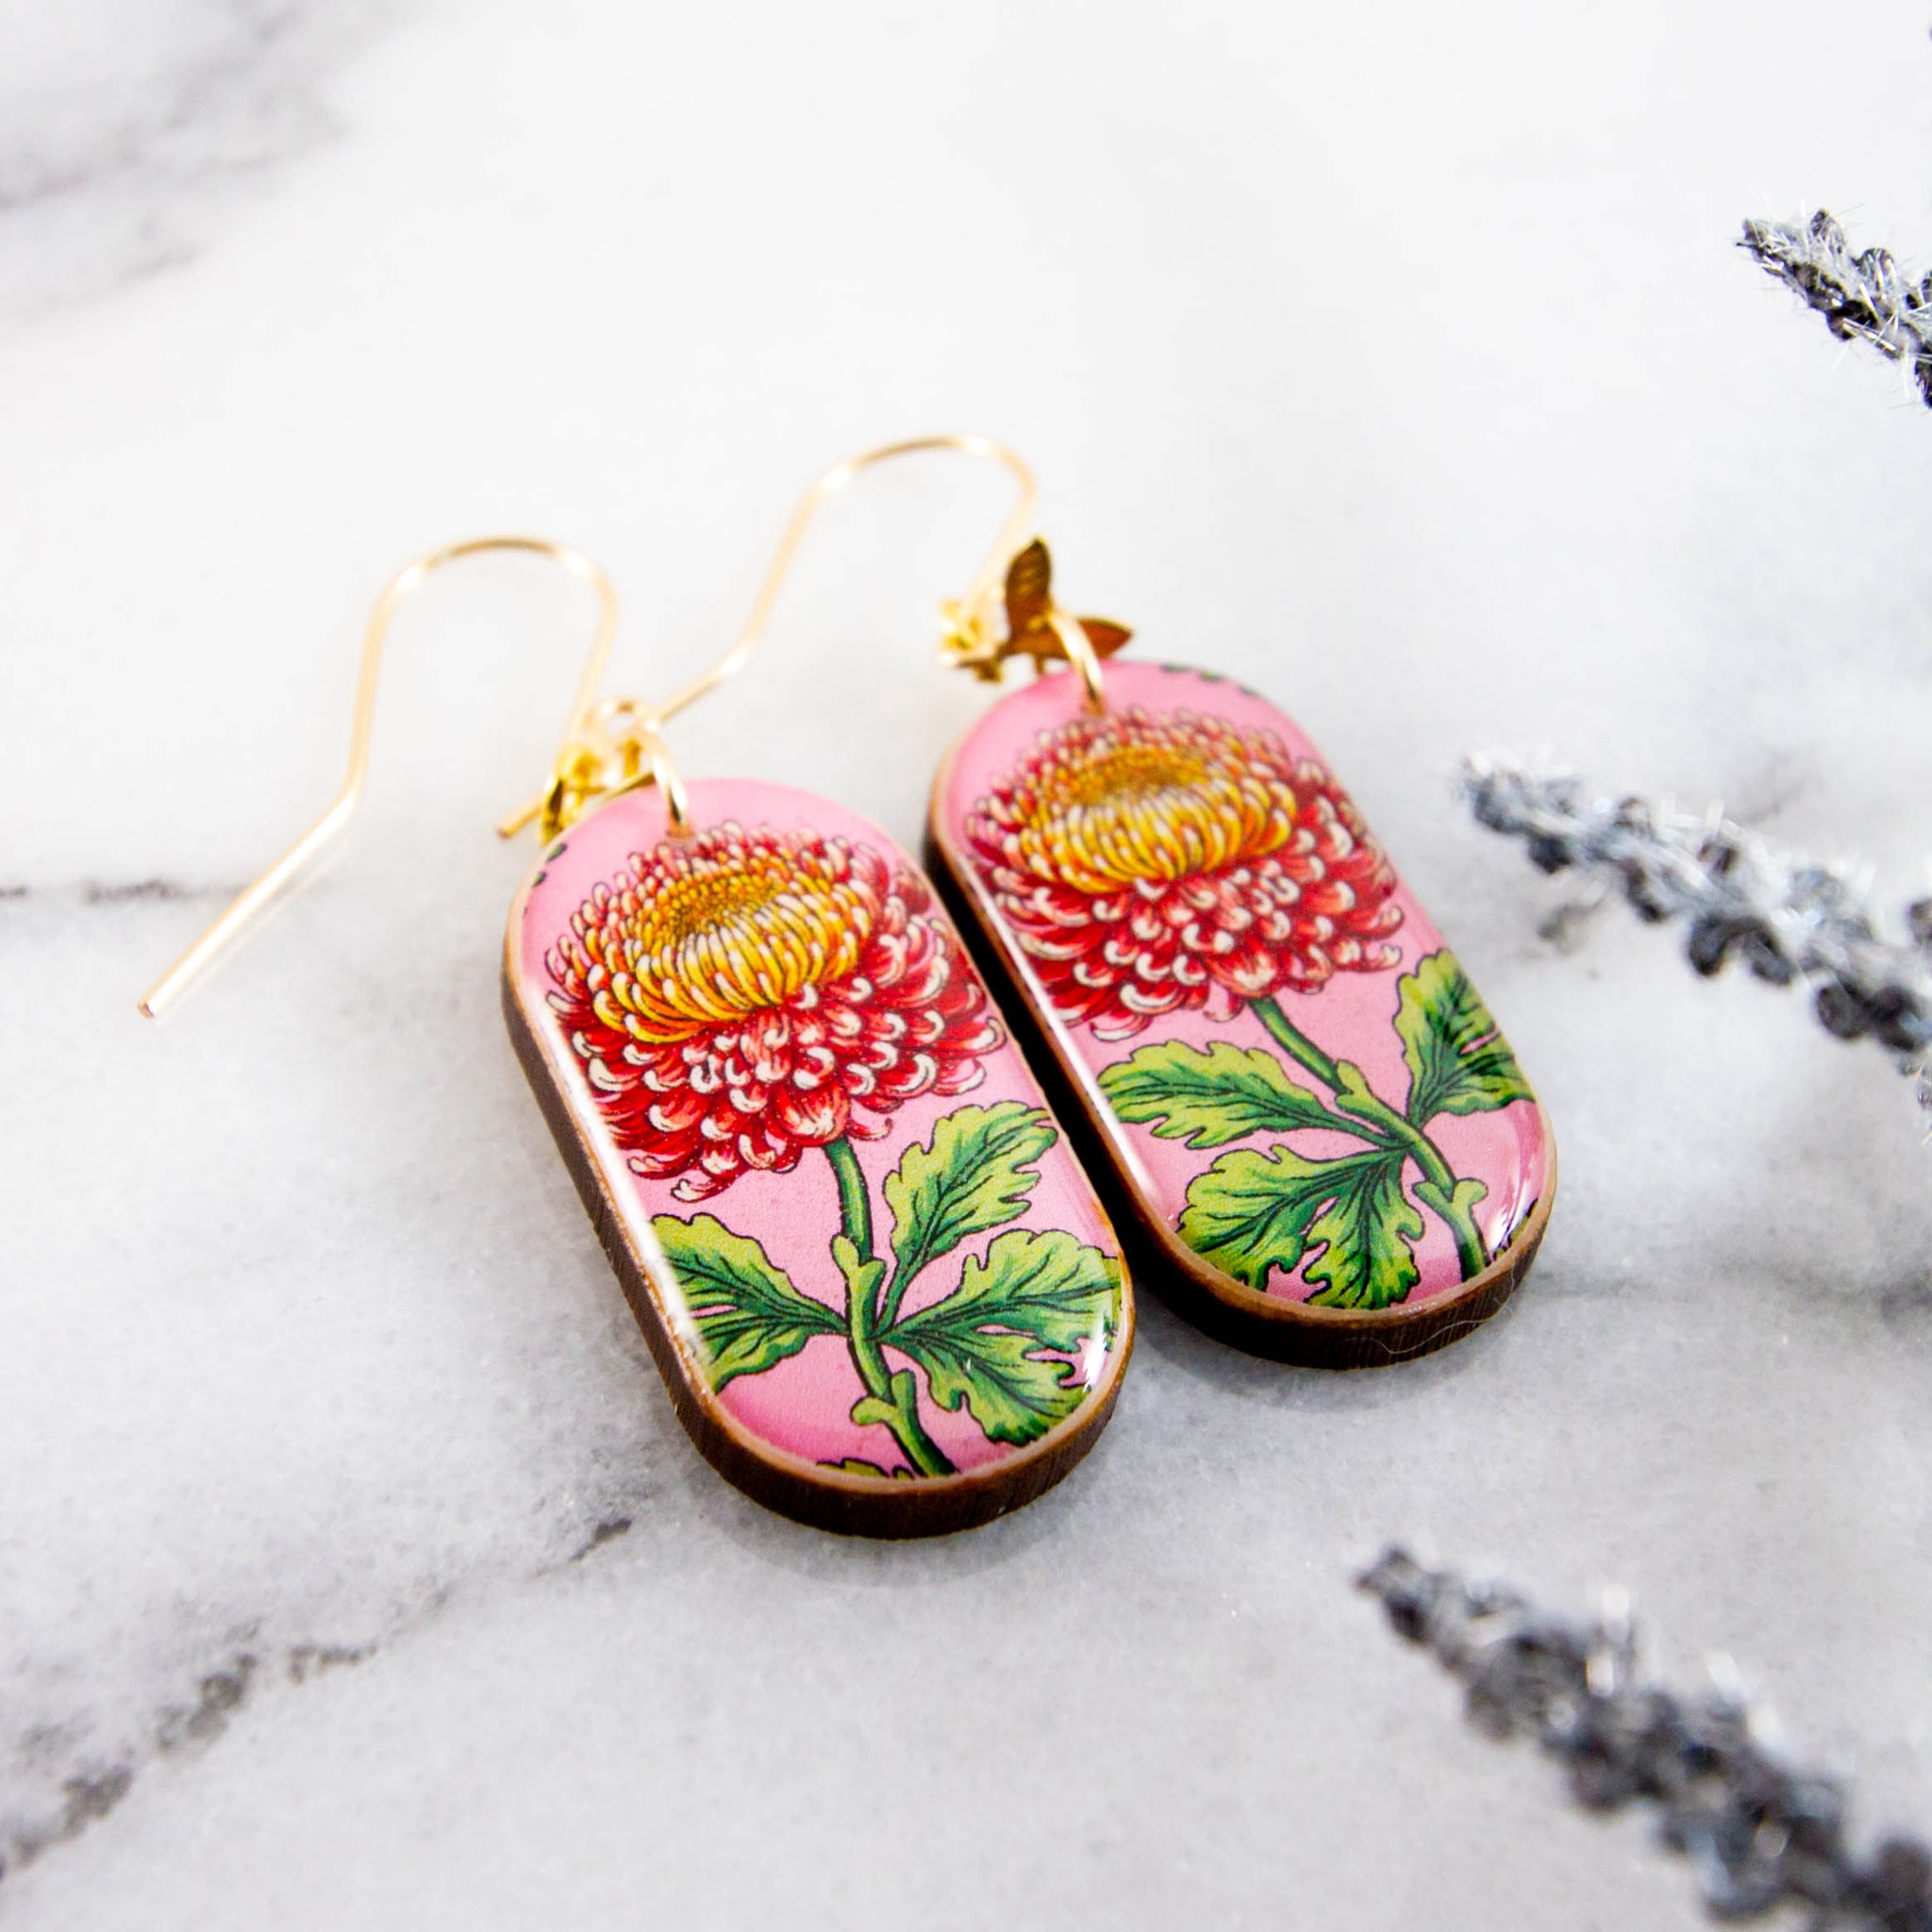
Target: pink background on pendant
point(803, 1405)
point(1351, 1018)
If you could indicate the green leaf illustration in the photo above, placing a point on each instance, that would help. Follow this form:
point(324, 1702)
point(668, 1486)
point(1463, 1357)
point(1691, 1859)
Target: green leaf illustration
point(1370, 1229)
point(986, 1344)
point(1458, 1063)
point(748, 1312)
point(858, 1465)
point(1462, 1199)
point(975, 1173)
point(1252, 1213)
point(1209, 1099)
point(1357, 1098)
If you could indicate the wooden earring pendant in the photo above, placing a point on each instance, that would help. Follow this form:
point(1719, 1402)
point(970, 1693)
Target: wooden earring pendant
point(880, 1290)
point(1289, 1085)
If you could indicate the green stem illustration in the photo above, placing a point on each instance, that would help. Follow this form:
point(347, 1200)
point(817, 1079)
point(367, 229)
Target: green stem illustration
point(1295, 1044)
point(1386, 1126)
point(891, 1399)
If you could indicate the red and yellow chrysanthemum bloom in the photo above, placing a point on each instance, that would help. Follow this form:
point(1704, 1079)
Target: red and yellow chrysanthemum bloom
point(738, 996)
point(1150, 863)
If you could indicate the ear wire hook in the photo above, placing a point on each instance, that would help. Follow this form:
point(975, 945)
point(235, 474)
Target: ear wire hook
point(968, 621)
point(971, 611)
point(968, 624)
point(252, 901)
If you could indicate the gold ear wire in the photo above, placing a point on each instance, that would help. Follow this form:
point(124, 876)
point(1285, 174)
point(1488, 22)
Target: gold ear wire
point(972, 608)
point(585, 772)
point(967, 619)
point(968, 638)
point(251, 903)
point(615, 746)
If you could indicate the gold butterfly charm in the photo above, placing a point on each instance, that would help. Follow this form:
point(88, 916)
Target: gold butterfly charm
point(1030, 631)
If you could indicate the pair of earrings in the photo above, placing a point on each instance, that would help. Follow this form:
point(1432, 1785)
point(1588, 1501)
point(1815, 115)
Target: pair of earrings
point(879, 1286)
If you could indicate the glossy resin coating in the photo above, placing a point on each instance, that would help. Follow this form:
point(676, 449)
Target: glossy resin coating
point(1301, 1098)
point(881, 1292)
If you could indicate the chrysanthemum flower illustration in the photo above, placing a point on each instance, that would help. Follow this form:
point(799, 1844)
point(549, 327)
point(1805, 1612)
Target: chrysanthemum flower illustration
point(1150, 862)
point(738, 996)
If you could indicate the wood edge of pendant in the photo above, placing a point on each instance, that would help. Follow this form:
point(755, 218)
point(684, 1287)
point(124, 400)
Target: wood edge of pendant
point(1262, 1325)
point(807, 1492)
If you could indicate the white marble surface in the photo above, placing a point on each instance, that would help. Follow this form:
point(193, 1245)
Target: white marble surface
point(353, 1569)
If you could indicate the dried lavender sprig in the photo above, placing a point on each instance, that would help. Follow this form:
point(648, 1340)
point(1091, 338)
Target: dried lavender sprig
point(1786, 918)
point(1862, 296)
point(1760, 1833)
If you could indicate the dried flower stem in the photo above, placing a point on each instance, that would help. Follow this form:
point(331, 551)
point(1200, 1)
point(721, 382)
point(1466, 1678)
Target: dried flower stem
point(1760, 1833)
point(1860, 296)
point(1786, 918)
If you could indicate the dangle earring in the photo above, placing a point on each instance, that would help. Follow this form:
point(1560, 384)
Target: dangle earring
point(1290, 1085)
point(877, 1282)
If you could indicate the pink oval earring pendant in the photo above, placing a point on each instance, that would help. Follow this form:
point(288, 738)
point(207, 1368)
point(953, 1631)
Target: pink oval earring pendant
point(1302, 1101)
point(877, 1285)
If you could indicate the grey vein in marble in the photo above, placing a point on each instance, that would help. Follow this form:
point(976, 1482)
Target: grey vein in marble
point(127, 130)
point(62, 1779)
